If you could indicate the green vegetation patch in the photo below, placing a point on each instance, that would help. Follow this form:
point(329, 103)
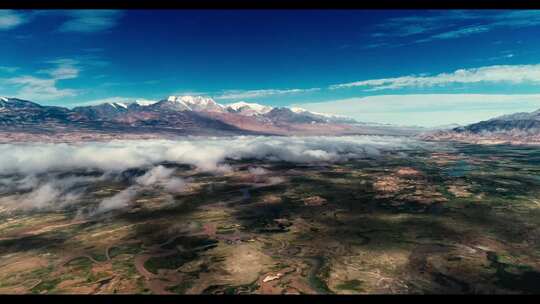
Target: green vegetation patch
point(181, 288)
point(130, 249)
point(318, 274)
point(46, 286)
point(189, 243)
point(81, 263)
point(350, 285)
point(515, 277)
point(232, 290)
point(169, 262)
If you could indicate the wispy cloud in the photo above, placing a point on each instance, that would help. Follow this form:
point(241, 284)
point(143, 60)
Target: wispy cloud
point(90, 21)
point(35, 88)
point(462, 32)
point(415, 24)
point(492, 74)
point(64, 69)
point(380, 44)
point(504, 55)
point(78, 21)
point(46, 88)
point(10, 19)
point(451, 24)
point(132, 83)
point(189, 92)
point(246, 94)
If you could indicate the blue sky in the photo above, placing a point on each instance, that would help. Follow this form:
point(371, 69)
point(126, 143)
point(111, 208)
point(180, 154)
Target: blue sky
point(403, 66)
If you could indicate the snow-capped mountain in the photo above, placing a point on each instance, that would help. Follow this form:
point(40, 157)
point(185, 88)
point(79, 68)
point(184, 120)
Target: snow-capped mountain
point(104, 111)
point(143, 102)
point(517, 122)
point(171, 104)
point(517, 128)
point(18, 112)
point(173, 115)
point(138, 103)
point(249, 109)
point(200, 104)
point(196, 103)
point(285, 115)
point(328, 117)
point(207, 104)
point(15, 103)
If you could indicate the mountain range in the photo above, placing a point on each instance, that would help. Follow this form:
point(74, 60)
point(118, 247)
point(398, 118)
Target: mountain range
point(23, 120)
point(173, 116)
point(517, 128)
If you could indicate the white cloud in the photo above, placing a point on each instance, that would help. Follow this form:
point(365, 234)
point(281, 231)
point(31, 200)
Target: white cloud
point(79, 21)
point(119, 200)
point(40, 88)
point(157, 176)
point(65, 69)
point(10, 19)
point(504, 55)
point(452, 24)
point(48, 191)
point(162, 177)
point(207, 154)
point(188, 93)
point(38, 169)
point(257, 170)
point(466, 31)
point(246, 94)
point(42, 196)
point(491, 74)
point(428, 109)
point(90, 21)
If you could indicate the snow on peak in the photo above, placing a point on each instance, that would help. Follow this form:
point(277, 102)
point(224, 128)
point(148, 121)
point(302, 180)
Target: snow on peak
point(3, 99)
point(197, 102)
point(254, 107)
point(325, 114)
point(298, 110)
point(188, 99)
point(121, 104)
point(144, 102)
point(117, 105)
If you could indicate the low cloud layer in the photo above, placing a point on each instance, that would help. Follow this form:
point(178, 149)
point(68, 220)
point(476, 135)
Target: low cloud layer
point(50, 176)
point(206, 154)
point(44, 191)
point(157, 176)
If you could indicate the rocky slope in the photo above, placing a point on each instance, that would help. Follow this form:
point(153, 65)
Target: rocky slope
point(517, 128)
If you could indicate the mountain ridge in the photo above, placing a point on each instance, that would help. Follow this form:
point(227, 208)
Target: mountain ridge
point(173, 116)
point(516, 128)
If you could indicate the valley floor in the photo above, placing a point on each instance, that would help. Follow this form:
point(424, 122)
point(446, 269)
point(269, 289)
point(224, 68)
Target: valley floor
point(461, 219)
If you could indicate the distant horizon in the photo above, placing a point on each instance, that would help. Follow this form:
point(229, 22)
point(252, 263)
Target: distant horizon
point(368, 102)
point(403, 67)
